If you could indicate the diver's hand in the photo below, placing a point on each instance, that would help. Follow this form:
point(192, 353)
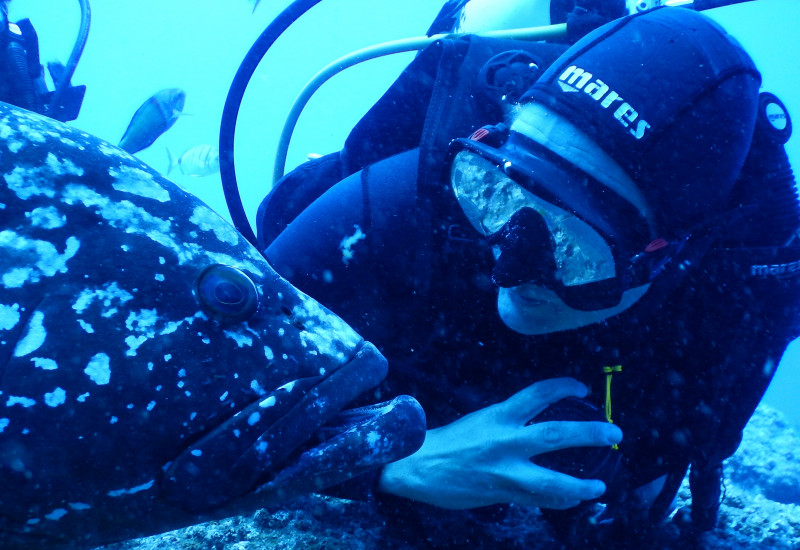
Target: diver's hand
point(484, 457)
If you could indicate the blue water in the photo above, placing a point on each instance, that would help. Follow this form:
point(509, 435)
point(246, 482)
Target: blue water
point(138, 47)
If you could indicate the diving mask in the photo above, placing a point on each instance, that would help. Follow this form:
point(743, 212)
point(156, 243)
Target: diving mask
point(551, 224)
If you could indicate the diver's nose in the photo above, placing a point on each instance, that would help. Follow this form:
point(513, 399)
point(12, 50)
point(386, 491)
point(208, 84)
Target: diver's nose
point(526, 250)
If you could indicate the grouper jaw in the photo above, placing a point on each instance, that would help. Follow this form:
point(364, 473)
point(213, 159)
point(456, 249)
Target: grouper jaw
point(254, 443)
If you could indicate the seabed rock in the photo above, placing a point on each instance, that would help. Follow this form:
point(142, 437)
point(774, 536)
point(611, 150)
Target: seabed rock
point(760, 509)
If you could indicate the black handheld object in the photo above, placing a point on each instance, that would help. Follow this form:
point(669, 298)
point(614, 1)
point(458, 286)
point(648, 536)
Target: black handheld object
point(581, 462)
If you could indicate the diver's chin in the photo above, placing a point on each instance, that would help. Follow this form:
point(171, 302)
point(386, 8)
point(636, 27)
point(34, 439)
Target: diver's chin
point(531, 310)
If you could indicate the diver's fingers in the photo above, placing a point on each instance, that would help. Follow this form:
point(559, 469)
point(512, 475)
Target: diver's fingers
point(551, 436)
point(532, 485)
point(527, 403)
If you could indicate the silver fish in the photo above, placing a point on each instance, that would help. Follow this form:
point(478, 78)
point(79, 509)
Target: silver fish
point(199, 161)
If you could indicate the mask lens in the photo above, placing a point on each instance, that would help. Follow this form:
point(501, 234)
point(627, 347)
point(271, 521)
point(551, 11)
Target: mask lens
point(489, 198)
point(486, 195)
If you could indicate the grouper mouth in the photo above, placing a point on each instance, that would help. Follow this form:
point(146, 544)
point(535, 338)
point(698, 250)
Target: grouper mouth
point(279, 440)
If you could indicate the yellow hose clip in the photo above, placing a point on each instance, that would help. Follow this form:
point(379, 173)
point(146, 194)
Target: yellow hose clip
point(609, 373)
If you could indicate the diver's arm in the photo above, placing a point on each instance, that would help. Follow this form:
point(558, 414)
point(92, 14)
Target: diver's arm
point(484, 457)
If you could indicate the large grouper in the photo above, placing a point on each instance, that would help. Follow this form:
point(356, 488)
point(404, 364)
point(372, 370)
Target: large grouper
point(155, 372)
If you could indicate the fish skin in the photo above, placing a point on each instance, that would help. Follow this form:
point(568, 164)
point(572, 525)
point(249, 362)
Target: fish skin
point(154, 117)
point(125, 408)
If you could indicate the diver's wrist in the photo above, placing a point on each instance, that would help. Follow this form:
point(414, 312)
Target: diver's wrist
point(389, 481)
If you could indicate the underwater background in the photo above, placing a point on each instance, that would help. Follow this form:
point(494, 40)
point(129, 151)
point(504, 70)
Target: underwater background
point(137, 47)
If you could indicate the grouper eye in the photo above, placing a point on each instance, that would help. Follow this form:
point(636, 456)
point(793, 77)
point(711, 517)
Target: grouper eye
point(226, 294)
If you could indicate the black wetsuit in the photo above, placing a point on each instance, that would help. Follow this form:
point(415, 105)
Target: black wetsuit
point(388, 249)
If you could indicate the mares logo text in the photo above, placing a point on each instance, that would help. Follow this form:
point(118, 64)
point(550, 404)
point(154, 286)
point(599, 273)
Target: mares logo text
point(575, 79)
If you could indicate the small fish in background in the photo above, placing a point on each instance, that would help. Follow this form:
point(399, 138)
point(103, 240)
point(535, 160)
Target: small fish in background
point(199, 161)
point(153, 118)
point(255, 4)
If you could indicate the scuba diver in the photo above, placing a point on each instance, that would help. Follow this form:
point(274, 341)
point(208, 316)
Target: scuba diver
point(22, 78)
point(588, 295)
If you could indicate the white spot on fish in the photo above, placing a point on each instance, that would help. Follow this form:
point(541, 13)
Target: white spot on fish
point(110, 151)
point(98, 369)
point(55, 398)
point(9, 316)
point(34, 337)
point(31, 182)
point(256, 387)
point(109, 295)
point(79, 506)
point(142, 320)
point(223, 397)
point(47, 217)
point(113, 420)
point(35, 258)
point(172, 326)
point(268, 402)
point(238, 261)
point(56, 514)
point(347, 243)
point(159, 277)
point(151, 405)
point(23, 401)
point(268, 353)
point(69, 142)
point(373, 438)
point(62, 167)
point(132, 490)
point(197, 452)
point(4, 422)
point(208, 220)
point(253, 419)
point(133, 344)
point(138, 182)
point(86, 326)
point(82, 397)
point(241, 340)
point(320, 325)
point(44, 363)
point(133, 219)
point(288, 386)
